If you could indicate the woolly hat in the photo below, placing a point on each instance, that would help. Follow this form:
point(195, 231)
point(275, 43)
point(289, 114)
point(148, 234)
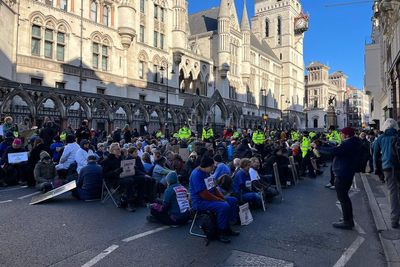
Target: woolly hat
point(172, 178)
point(348, 131)
point(17, 142)
point(44, 155)
point(218, 158)
point(206, 162)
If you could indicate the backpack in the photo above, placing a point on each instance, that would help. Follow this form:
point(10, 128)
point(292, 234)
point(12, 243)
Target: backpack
point(396, 151)
point(208, 223)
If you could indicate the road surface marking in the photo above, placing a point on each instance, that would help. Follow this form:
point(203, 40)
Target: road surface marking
point(346, 256)
point(101, 256)
point(5, 201)
point(30, 195)
point(356, 225)
point(13, 189)
point(129, 239)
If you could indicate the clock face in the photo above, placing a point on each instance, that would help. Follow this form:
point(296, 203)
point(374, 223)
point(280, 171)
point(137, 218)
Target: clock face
point(301, 23)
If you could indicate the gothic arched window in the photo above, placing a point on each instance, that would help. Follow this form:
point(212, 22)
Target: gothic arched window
point(93, 11)
point(266, 28)
point(279, 30)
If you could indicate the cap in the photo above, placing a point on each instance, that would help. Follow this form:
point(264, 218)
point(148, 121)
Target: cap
point(17, 142)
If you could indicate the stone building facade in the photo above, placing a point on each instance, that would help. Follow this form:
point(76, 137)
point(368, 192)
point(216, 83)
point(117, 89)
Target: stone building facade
point(150, 64)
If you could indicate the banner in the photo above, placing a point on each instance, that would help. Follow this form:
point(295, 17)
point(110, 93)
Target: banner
point(14, 158)
point(245, 214)
point(182, 198)
point(128, 167)
point(53, 193)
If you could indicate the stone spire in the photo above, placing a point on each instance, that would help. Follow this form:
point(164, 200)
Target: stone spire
point(245, 25)
point(224, 10)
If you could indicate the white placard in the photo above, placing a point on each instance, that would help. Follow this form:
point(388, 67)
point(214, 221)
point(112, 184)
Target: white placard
point(53, 193)
point(248, 185)
point(128, 167)
point(14, 158)
point(1, 130)
point(245, 214)
point(182, 198)
point(210, 183)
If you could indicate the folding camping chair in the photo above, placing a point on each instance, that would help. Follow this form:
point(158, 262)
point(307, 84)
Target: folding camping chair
point(108, 192)
point(293, 168)
point(194, 223)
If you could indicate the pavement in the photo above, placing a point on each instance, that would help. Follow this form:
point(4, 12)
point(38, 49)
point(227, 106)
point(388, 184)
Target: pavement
point(378, 200)
point(294, 232)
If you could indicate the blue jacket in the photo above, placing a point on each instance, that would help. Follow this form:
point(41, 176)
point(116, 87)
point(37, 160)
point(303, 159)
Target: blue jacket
point(90, 181)
point(221, 169)
point(384, 145)
point(239, 182)
point(171, 203)
point(347, 160)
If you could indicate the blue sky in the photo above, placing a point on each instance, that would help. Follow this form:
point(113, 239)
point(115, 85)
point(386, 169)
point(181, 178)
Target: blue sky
point(336, 37)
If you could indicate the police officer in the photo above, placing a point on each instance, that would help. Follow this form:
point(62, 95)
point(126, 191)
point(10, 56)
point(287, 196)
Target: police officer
point(305, 148)
point(258, 139)
point(208, 134)
point(345, 165)
point(184, 132)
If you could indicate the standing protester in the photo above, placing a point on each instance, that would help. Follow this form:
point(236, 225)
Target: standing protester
point(365, 151)
point(83, 132)
point(344, 167)
point(386, 148)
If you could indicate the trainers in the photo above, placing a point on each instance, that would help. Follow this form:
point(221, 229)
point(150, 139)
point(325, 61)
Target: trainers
point(332, 187)
point(343, 225)
point(223, 238)
point(328, 185)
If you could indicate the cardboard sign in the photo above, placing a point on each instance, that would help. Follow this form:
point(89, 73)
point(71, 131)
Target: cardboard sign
point(245, 214)
point(210, 183)
point(182, 198)
point(14, 158)
point(128, 167)
point(184, 153)
point(53, 193)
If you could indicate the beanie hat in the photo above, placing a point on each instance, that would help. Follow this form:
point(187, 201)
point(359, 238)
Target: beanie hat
point(206, 162)
point(218, 158)
point(348, 131)
point(17, 142)
point(172, 178)
point(70, 138)
point(44, 155)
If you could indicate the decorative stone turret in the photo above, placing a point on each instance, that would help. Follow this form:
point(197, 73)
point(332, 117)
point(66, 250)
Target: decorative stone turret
point(245, 27)
point(180, 24)
point(224, 38)
point(126, 22)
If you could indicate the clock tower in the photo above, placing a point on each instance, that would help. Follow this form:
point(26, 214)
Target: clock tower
point(281, 23)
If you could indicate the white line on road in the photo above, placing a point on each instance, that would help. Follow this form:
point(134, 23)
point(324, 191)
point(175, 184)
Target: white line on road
point(101, 256)
point(129, 239)
point(30, 195)
point(13, 189)
point(5, 201)
point(346, 256)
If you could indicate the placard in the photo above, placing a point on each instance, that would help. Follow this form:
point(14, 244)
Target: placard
point(53, 193)
point(184, 153)
point(245, 214)
point(182, 198)
point(14, 158)
point(128, 167)
point(210, 183)
point(1, 130)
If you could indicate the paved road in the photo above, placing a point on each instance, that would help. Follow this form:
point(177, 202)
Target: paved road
point(65, 232)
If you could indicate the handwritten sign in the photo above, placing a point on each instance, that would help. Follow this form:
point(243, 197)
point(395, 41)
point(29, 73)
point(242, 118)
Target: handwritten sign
point(53, 193)
point(245, 214)
point(182, 198)
point(14, 158)
point(128, 167)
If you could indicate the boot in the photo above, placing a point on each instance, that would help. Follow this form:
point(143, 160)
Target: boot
point(230, 232)
point(343, 225)
point(222, 237)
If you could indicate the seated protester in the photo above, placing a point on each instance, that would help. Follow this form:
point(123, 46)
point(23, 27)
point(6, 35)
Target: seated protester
point(191, 164)
point(147, 165)
point(141, 179)
point(156, 155)
point(6, 143)
point(170, 158)
point(283, 162)
point(101, 152)
point(68, 155)
point(244, 150)
point(261, 182)
point(235, 166)
point(174, 209)
point(112, 171)
point(139, 146)
point(90, 181)
point(242, 185)
point(56, 148)
point(45, 173)
point(205, 196)
point(34, 156)
point(178, 166)
point(15, 173)
point(82, 154)
point(221, 168)
point(160, 172)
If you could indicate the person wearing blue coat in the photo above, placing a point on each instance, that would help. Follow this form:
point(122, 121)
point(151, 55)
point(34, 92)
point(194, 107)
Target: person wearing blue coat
point(90, 180)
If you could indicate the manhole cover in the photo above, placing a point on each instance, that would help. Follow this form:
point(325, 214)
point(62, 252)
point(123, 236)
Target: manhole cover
point(391, 234)
point(240, 258)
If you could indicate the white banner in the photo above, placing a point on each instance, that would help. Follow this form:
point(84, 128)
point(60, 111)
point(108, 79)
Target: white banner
point(182, 198)
point(14, 158)
point(245, 214)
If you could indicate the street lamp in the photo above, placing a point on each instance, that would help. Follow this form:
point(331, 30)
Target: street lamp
point(265, 117)
point(162, 68)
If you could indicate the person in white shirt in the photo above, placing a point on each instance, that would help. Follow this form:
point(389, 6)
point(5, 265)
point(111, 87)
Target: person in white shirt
point(68, 155)
point(82, 154)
